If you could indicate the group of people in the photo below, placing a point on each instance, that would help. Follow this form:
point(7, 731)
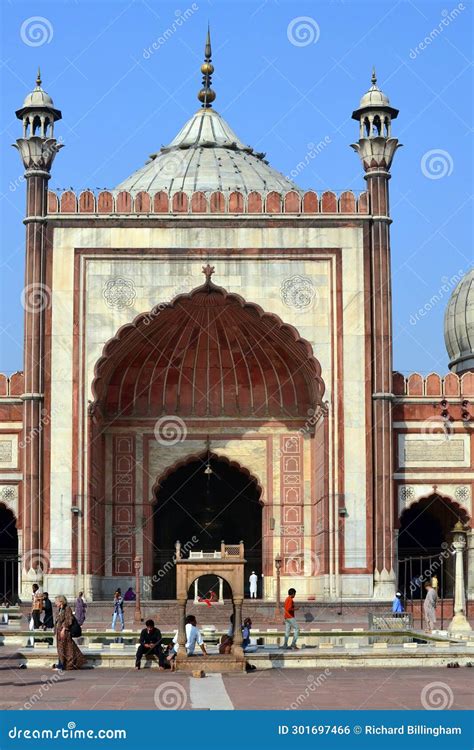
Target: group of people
point(151, 644)
point(429, 606)
point(66, 625)
point(41, 605)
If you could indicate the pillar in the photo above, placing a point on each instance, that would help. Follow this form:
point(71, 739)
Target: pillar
point(237, 649)
point(459, 621)
point(181, 655)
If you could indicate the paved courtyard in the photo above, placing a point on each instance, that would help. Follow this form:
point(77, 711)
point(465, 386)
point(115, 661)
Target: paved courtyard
point(118, 689)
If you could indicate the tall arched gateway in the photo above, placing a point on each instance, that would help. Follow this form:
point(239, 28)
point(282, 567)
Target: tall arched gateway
point(202, 501)
point(202, 407)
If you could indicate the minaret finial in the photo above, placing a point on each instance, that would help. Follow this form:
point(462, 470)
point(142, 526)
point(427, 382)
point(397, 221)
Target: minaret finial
point(206, 96)
point(38, 77)
point(374, 76)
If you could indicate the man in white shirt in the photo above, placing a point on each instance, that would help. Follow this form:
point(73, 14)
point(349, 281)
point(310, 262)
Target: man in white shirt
point(193, 637)
point(253, 580)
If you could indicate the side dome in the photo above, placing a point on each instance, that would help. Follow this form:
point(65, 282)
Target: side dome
point(459, 326)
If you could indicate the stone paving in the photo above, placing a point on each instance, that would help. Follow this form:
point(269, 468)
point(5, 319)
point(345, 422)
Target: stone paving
point(117, 689)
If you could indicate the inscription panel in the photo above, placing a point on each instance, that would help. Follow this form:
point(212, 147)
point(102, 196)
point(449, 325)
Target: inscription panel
point(439, 452)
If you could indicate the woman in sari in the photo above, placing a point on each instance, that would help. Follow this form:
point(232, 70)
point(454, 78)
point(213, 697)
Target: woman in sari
point(69, 655)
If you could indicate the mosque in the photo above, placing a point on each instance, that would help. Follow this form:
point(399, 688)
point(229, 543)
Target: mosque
point(208, 357)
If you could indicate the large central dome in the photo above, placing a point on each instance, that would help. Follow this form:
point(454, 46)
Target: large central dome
point(206, 155)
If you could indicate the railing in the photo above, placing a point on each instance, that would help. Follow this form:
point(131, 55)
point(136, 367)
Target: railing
point(414, 572)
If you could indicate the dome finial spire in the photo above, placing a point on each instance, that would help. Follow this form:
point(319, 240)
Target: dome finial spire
point(206, 95)
point(38, 77)
point(374, 76)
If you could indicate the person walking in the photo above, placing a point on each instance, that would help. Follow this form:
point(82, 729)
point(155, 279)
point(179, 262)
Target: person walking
point(253, 580)
point(36, 606)
point(290, 620)
point(80, 608)
point(48, 619)
point(150, 643)
point(429, 607)
point(69, 654)
point(397, 606)
point(118, 609)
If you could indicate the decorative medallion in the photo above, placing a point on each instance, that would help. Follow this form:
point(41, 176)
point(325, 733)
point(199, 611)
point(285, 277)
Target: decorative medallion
point(462, 493)
point(298, 292)
point(119, 293)
point(407, 492)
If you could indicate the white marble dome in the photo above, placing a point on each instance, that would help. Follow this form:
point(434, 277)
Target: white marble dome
point(206, 155)
point(459, 325)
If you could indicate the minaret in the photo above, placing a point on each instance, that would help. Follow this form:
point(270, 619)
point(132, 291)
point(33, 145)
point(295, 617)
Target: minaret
point(376, 148)
point(206, 95)
point(37, 149)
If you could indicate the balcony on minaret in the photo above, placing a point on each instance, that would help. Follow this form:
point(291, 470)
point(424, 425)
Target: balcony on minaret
point(38, 147)
point(376, 147)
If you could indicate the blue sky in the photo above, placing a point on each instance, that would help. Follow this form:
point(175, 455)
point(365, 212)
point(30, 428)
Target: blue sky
point(120, 102)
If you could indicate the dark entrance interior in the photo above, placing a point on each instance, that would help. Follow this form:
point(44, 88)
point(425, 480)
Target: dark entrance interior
point(202, 503)
point(424, 543)
point(8, 556)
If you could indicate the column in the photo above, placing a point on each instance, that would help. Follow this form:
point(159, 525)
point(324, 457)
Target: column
point(459, 621)
point(237, 647)
point(181, 655)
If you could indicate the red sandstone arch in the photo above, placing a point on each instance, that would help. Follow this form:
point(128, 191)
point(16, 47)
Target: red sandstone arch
point(207, 353)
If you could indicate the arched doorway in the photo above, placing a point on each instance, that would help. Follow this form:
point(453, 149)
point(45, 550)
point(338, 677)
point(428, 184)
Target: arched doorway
point(8, 555)
point(202, 502)
point(424, 544)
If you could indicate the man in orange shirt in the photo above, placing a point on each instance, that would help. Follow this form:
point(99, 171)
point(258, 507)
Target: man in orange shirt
point(290, 620)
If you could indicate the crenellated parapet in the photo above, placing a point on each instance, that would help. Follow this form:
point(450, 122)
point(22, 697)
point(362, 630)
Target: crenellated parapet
point(447, 386)
point(12, 386)
point(106, 203)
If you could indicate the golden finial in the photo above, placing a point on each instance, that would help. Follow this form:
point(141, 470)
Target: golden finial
point(38, 77)
point(206, 95)
point(374, 77)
